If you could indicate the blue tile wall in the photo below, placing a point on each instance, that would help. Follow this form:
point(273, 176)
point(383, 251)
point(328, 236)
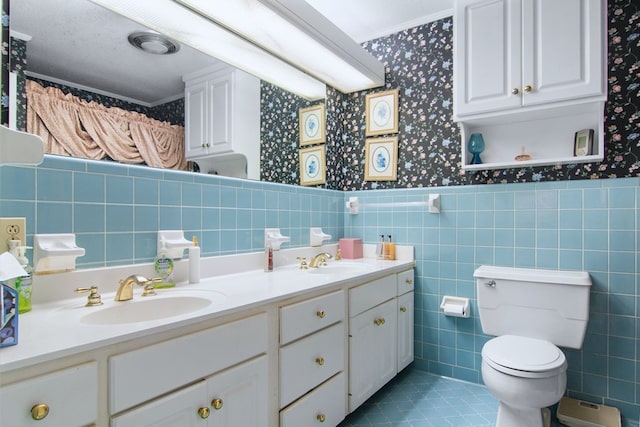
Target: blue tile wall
point(116, 210)
point(574, 225)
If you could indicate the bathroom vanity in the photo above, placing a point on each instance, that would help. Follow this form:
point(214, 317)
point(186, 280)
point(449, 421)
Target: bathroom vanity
point(290, 348)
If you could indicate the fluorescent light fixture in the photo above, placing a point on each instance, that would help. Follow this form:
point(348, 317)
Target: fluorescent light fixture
point(181, 24)
point(298, 33)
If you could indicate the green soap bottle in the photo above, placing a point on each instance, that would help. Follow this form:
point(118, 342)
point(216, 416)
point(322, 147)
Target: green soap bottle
point(163, 266)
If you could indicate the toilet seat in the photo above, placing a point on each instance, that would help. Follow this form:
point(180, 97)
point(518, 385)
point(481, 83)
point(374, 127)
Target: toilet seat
point(524, 357)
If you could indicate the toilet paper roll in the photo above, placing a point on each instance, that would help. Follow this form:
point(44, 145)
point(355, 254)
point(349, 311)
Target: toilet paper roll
point(454, 310)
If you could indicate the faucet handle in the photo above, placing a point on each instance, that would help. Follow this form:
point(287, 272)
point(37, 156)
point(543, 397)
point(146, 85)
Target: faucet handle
point(149, 286)
point(303, 262)
point(93, 299)
point(338, 256)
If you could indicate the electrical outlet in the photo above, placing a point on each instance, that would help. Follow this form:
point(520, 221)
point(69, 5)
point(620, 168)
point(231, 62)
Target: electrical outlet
point(12, 228)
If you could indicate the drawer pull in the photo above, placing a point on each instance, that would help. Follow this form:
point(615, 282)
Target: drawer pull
point(403, 309)
point(39, 411)
point(528, 88)
point(320, 314)
point(409, 281)
point(204, 412)
point(321, 417)
point(217, 404)
point(319, 361)
point(379, 321)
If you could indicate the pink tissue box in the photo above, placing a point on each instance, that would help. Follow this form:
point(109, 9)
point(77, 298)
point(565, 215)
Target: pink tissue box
point(351, 248)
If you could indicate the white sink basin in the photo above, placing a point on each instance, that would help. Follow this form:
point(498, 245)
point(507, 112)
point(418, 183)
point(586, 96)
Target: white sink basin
point(339, 267)
point(144, 309)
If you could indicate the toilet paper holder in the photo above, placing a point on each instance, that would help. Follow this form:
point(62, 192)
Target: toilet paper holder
point(455, 306)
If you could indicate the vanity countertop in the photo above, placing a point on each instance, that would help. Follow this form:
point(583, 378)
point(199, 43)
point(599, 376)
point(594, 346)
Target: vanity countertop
point(55, 329)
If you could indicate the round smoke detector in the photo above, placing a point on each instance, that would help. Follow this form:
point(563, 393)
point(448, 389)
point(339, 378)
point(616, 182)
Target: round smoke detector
point(153, 43)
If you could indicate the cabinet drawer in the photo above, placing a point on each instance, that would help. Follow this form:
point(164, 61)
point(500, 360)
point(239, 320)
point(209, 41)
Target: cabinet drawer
point(324, 405)
point(71, 396)
point(363, 297)
point(405, 282)
point(142, 374)
point(310, 361)
point(303, 318)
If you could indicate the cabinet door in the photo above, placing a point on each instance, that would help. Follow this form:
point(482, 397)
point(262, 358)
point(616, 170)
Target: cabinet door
point(69, 397)
point(220, 113)
point(184, 408)
point(563, 50)
point(487, 65)
point(372, 351)
point(405, 330)
point(238, 396)
point(196, 120)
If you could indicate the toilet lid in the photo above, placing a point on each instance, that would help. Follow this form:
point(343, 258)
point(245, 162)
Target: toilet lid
point(523, 354)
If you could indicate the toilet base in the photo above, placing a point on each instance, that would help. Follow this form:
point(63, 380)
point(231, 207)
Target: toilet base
point(509, 416)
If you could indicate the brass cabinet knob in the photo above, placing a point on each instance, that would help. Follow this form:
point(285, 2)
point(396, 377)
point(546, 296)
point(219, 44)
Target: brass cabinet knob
point(204, 412)
point(217, 404)
point(515, 91)
point(319, 361)
point(320, 314)
point(403, 309)
point(39, 411)
point(202, 145)
point(379, 321)
point(528, 88)
point(409, 282)
point(320, 417)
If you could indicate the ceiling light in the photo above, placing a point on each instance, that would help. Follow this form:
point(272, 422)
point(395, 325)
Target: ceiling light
point(226, 38)
point(153, 43)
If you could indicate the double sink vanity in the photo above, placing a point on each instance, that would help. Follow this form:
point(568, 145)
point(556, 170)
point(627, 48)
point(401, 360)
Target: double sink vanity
point(241, 348)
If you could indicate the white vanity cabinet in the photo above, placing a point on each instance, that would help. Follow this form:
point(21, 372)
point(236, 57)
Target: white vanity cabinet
point(222, 120)
point(312, 385)
point(529, 73)
point(372, 338)
point(405, 310)
point(230, 357)
point(68, 397)
point(234, 397)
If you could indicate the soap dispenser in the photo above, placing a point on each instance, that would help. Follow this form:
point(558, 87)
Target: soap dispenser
point(163, 266)
point(21, 284)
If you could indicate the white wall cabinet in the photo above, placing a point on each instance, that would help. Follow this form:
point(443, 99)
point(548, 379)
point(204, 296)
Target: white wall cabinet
point(234, 397)
point(529, 73)
point(222, 121)
point(68, 397)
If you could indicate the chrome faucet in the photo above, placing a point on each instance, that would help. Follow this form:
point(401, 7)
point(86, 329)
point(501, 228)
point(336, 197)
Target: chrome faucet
point(125, 290)
point(320, 259)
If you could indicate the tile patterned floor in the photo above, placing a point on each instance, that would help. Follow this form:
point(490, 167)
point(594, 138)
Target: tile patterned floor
point(419, 399)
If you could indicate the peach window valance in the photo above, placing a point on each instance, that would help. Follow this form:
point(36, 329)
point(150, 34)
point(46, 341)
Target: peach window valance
point(70, 126)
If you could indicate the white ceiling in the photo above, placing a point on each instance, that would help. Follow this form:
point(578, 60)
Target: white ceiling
point(80, 42)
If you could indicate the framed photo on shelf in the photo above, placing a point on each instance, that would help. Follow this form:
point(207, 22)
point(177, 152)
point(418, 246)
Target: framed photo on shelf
point(313, 165)
point(312, 125)
point(583, 143)
point(382, 113)
point(381, 156)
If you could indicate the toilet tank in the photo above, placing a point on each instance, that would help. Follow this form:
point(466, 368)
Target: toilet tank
point(545, 304)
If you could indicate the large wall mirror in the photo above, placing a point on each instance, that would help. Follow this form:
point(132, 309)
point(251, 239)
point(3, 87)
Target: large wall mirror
point(80, 45)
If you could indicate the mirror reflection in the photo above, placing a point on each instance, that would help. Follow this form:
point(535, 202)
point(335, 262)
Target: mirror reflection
point(76, 54)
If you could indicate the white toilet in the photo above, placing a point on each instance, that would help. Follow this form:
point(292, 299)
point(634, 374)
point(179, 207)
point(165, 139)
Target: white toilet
point(530, 312)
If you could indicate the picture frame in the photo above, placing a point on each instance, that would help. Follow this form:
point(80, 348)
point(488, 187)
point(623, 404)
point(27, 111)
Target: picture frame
point(313, 165)
point(583, 143)
point(381, 156)
point(382, 113)
point(312, 125)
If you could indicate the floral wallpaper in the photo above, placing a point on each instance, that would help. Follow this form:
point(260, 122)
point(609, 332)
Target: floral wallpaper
point(4, 77)
point(419, 61)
